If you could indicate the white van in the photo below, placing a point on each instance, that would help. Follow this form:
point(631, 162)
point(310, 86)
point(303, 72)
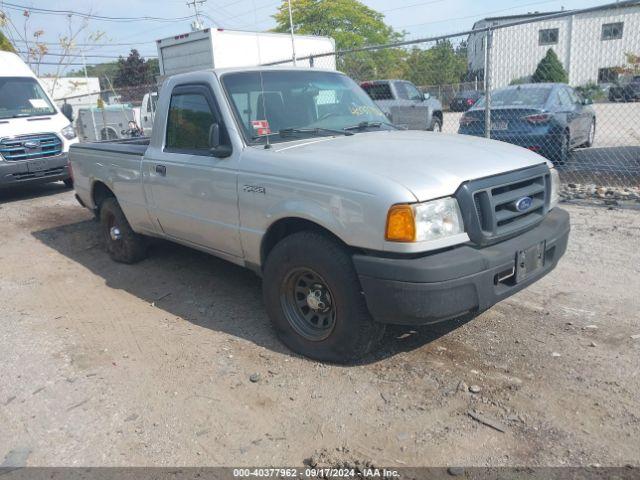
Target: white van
point(34, 134)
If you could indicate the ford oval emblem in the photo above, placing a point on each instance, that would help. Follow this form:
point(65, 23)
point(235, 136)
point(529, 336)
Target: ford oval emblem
point(32, 144)
point(523, 204)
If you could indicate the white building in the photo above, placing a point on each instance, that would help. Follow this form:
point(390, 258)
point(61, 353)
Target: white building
point(590, 45)
point(79, 92)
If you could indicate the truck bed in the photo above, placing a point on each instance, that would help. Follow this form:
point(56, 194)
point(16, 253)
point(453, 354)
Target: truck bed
point(128, 146)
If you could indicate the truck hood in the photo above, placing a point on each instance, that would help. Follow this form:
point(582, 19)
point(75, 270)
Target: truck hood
point(430, 165)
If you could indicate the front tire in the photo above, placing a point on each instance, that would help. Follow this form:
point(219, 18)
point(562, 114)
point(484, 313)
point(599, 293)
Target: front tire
point(314, 299)
point(121, 243)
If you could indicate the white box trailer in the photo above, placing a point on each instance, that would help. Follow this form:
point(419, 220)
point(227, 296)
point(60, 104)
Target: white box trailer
point(220, 48)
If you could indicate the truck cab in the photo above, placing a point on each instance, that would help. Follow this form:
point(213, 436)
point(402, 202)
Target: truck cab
point(34, 134)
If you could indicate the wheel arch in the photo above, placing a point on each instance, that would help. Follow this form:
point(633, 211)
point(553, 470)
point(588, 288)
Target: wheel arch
point(100, 191)
point(287, 226)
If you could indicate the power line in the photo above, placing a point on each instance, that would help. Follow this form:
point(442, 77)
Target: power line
point(252, 10)
point(52, 54)
point(477, 15)
point(411, 6)
point(47, 11)
point(89, 44)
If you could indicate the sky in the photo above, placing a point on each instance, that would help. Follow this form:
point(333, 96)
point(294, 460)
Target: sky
point(419, 18)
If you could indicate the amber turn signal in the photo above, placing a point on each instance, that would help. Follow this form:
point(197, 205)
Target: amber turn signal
point(401, 225)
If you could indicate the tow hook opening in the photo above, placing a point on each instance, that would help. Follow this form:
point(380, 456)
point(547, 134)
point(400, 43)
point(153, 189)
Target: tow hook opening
point(505, 276)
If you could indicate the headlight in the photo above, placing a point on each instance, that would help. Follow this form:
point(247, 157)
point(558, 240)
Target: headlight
point(423, 222)
point(68, 132)
point(554, 197)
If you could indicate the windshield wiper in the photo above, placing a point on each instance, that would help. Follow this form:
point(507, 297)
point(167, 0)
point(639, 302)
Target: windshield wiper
point(315, 130)
point(292, 131)
point(365, 125)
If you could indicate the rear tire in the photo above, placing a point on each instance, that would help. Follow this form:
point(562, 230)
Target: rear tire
point(313, 297)
point(592, 135)
point(121, 243)
point(436, 125)
point(561, 155)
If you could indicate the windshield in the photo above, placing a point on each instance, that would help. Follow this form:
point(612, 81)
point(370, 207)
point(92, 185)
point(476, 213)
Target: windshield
point(531, 97)
point(23, 97)
point(318, 103)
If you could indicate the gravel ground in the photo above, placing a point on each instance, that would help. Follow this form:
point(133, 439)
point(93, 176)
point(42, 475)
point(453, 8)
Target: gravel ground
point(151, 364)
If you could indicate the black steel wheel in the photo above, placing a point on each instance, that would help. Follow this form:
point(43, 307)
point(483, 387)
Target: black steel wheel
point(308, 304)
point(314, 299)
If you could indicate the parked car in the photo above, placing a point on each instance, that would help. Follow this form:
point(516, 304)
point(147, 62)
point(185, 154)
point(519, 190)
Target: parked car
point(628, 91)
point(405, 105)
point(464, 100)
point(34, 134)
point(352, 223)
point(547, 118)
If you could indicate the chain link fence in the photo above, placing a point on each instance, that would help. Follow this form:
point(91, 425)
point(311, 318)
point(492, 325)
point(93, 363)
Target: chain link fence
point(565, 85)
point(112, 114)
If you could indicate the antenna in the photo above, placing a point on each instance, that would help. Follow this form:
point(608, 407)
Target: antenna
point(293, 38)
point(197, 23)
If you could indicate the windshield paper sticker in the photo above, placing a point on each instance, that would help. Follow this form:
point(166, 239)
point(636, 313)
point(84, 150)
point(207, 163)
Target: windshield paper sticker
point(38, 103)
point(361, 110)
point(261, 127)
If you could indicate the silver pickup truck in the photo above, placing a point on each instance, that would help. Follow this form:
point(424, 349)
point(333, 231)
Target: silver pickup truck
point(351, 222)
point(405, 105)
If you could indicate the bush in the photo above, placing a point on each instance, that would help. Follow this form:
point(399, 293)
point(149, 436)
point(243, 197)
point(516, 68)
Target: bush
point(520, 80)
point(591, 91)
point(550, 70)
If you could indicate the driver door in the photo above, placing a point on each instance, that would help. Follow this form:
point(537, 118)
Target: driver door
point(194, 194)
point(411, 111)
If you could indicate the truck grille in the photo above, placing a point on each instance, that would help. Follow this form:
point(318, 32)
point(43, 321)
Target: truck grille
point(501, 206)
point(29, 147)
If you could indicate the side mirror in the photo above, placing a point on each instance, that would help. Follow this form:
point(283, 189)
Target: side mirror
point(215, 147)
point(587, 101)
point(67, 111)
point(426, 96)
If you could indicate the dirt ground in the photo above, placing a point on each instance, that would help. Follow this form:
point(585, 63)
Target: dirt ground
point(105, 364)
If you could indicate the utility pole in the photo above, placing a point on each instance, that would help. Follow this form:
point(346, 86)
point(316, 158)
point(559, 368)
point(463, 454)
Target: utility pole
point(293, 38)
point(197, 23)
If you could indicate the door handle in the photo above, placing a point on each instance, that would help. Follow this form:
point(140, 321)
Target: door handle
point(161, 170)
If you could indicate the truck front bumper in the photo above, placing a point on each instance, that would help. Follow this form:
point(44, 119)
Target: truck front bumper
point(41, 170)
point(465, 279)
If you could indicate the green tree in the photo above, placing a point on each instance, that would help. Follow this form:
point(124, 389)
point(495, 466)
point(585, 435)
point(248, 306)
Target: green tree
point(352, 25)
point(441, 64)
point(106, 72)
point(550, 70)
point(132, 71)
point(349, 22)
point(5, 44)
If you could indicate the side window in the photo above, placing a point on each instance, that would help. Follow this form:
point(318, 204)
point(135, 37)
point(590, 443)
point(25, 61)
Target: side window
point(412, 92)
point(189, 121)
point(548, 36)
point(575, 99)
point(563, 98)
point(612, 31)
point(402, 90)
